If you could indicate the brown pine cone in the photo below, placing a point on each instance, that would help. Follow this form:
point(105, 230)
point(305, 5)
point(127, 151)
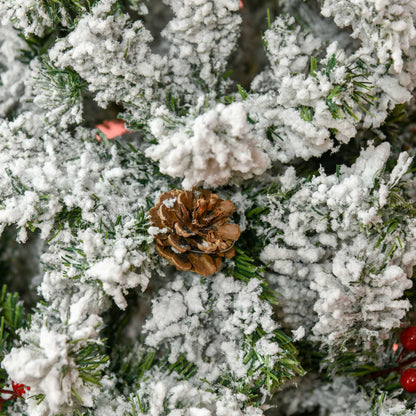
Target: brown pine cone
point(194, 233)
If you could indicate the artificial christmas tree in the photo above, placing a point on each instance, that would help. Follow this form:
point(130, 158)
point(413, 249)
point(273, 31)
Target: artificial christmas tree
point(245, 246)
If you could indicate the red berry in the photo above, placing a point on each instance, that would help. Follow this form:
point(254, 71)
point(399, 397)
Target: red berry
point(408, 338)
point(408, 380)
point(19, 389)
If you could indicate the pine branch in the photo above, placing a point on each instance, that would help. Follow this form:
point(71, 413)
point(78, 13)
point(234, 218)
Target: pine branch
point(355, 84)
point(69, 85)
point(12, 318)
point(269, 376)
point(37, 46)
point(243, 267)
point(90, 361)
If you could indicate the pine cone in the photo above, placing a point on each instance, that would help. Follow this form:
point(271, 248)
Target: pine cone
point(194, 233)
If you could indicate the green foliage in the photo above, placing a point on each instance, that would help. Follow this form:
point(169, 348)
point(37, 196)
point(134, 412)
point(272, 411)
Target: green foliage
point(176, 105)
point(396, 120)
point(242, 92)
point(354, 85)
point(66, 12)
point(90, 361)
point(63, 14)
point(396, 130)
point(12, 318)
point(138, 408)
point(365, 367)
point(129, 156)
point(74, 257)
point(268, 375)
point(17, 185)
point(271, 134)
point(72, 218)
point(243, 267)
point(307, 113)
point(182, 367)
point(314, 67)
point(67, 82)
point(395, 214)
point(133, 365)
point(37, 45)
point(130, 365)
point(251, 241)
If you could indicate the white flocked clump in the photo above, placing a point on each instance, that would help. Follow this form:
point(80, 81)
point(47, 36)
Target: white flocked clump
point(165, 393)
point(201, 34)
point(46, 364)
point(207, 322)
point(386, 27)
point(64, 105)
point(341, 396)
point(327, 252)
point(211, 149)
point(314, 96)
point(13, 72)
point(59, 178)
point(30, 16)
point(112, 55)
point(338, 398)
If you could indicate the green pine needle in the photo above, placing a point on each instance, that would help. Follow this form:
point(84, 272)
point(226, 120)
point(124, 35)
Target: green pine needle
point(12, 318)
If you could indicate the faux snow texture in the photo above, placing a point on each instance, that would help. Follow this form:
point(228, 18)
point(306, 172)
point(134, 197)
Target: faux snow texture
point(313, 145)
point(330, 249)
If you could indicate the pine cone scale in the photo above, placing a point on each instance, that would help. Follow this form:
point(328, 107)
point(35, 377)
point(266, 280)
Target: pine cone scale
point(183, 230)
point(154, 218)
point(178, 243)
point(167, 216)
point(230, 253)
point(174, 258)
point(203, 264)
point(207, 246)
point(181, 262)
point(225, 209)
point(229, 231)
point(185, 199)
